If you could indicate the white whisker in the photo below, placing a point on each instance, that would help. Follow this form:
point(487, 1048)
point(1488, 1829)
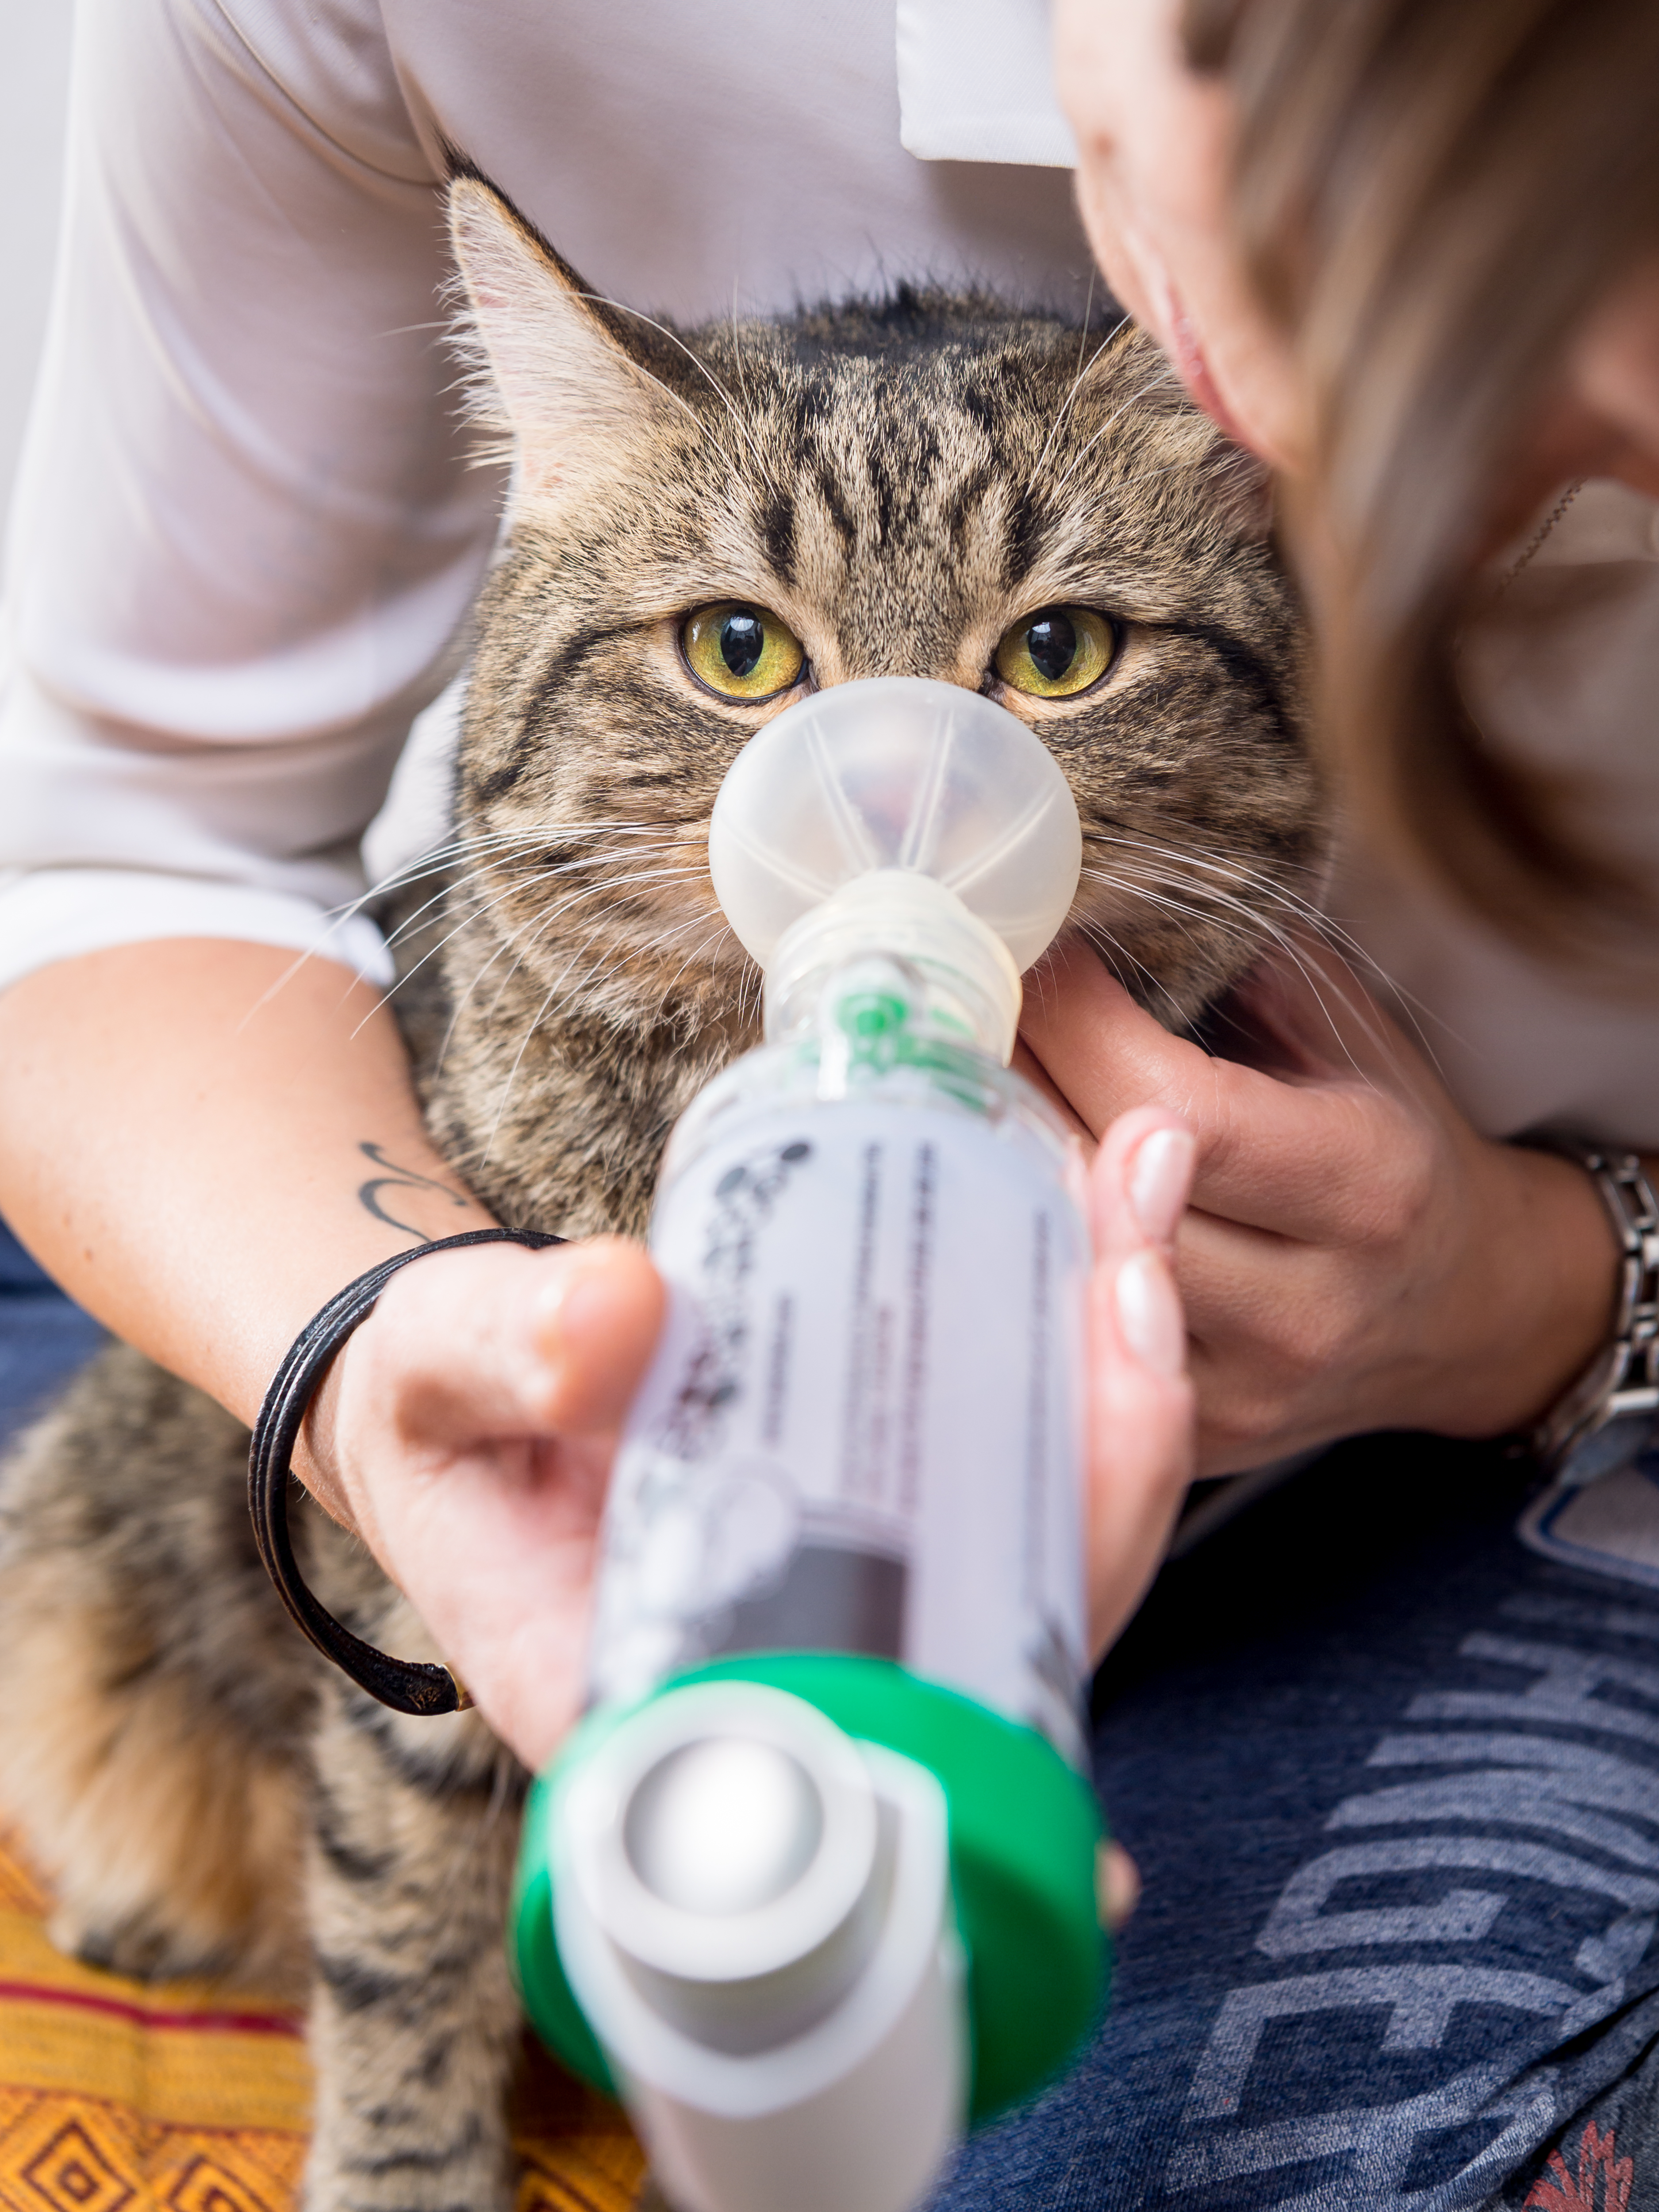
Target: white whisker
point(1282, 941)
point(1085, 370)
point(1116, 416)
point(1321, 925)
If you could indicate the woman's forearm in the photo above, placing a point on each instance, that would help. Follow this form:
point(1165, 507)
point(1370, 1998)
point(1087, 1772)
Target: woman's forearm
point(202, 1142)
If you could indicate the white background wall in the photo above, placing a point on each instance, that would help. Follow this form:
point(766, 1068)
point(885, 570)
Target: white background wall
point(34, 75)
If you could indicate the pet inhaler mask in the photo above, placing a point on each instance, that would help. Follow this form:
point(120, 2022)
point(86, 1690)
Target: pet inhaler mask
point(812, 1885)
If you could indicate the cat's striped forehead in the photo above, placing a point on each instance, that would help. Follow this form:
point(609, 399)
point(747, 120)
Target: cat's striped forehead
point(946, 473)
point(901, 485)
point(897, 482)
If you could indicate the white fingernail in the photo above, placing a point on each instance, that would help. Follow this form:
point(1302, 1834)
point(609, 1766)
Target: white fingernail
point(1160, 1174)
point(1149, 1313)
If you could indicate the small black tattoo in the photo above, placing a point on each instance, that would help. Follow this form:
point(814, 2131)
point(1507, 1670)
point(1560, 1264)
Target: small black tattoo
point(368, 1194)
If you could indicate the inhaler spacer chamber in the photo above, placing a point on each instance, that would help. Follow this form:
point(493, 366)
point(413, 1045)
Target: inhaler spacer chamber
point(812, 1885)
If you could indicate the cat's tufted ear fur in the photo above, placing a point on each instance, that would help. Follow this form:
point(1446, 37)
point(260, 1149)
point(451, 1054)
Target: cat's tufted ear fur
point(1242, 488)
point(556, 377)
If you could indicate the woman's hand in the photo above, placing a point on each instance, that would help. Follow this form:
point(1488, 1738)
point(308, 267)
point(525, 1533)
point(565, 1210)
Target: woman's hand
point(1356, 1257)
point(466, 1430)
point(1140, 1397)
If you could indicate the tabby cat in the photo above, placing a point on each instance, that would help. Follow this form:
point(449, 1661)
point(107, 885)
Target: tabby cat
point(703, 524)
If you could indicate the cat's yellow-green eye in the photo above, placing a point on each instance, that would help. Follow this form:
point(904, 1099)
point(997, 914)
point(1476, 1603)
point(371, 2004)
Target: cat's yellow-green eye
point(1056, 653)
point(739, 650)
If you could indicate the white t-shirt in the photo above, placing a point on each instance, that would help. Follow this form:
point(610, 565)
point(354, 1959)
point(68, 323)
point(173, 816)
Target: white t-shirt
point(245, 534)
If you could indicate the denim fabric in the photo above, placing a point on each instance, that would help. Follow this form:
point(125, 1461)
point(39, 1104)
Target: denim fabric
point(1608, 2162)
point(1393, 1783)
point(1392, 1780)
point(43, 1337)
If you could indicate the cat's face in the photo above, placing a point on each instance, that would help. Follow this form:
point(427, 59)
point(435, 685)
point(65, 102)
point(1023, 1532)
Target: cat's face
point(706, 526)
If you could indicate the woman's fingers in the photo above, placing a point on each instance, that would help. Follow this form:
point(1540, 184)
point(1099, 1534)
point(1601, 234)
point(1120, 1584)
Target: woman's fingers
point(1302, 1149)
point(1117, 1886)
point(495, 1548)
point(512, 1342)
point(1026, 1063)
point(1141, 1400)
point(1104, 1052)
point(471, 1435)
point(597, 1328)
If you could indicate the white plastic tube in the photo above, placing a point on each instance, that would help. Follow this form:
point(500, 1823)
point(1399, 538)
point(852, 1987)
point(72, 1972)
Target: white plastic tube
point(861, 1438)
point(794, 2039)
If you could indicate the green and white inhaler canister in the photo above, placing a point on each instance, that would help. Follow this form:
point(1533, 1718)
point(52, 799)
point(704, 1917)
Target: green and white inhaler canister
point(812, 1885)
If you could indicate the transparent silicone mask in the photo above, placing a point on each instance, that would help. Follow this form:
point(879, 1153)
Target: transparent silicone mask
point(896, 815)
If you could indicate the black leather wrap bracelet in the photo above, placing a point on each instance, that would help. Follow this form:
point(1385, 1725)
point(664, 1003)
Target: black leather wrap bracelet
point(407, 1685)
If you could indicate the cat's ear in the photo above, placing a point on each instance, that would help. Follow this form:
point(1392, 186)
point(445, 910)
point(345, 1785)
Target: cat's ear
point(550, 371)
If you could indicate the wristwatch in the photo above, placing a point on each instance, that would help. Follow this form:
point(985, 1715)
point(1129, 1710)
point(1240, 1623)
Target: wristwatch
point(1605, 1417)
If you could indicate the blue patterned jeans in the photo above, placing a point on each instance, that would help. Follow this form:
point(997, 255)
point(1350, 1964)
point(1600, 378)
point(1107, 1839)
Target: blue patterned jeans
point(1393, 1783)
point(1392, 1780)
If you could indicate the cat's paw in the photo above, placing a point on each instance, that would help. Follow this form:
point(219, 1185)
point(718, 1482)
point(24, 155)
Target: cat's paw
point(473, 2170)
point(142, 1947)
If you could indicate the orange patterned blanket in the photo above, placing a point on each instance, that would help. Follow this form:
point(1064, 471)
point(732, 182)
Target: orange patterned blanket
point(119, 2096)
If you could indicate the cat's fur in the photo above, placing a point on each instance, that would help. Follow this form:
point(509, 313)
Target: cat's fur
point(900, 483)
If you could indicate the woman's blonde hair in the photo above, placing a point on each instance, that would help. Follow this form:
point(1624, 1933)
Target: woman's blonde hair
point(1432, 197)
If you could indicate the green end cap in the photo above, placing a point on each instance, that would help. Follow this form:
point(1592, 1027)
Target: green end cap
point(1024, 1831)
point(538, 1969)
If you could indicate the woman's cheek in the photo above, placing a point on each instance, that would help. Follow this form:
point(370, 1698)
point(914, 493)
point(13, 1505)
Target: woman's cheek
point(1153, 181)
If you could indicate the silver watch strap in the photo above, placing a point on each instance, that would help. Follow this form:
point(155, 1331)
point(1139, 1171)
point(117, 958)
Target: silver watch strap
point(1622, 1382)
